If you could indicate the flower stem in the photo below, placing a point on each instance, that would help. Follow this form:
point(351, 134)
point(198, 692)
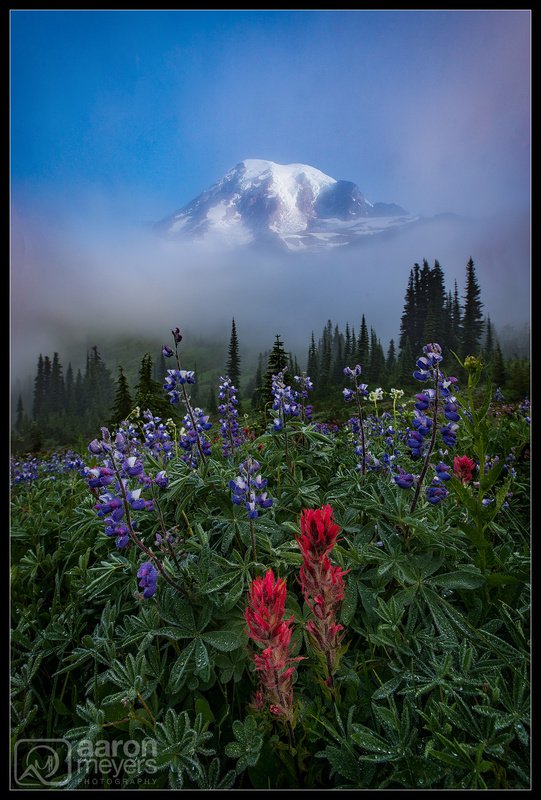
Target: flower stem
point(361, 426)
point(252, 538)
point(138, 541)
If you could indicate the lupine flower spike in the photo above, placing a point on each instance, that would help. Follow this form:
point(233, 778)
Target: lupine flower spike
point(360, 391)
point(428, 405)
point(248, 490)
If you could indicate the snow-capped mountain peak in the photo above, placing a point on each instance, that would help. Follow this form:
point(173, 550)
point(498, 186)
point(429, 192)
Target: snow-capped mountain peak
point(295, 205)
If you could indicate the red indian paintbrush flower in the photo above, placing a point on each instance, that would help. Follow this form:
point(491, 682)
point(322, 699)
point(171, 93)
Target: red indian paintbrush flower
point(322, 584)
point(463, 467)
point(266, 625)
point(318, 532)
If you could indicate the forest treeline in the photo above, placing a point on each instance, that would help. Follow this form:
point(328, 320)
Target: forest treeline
point(68, 408)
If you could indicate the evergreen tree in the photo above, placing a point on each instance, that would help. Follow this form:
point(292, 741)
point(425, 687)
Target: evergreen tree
point(160, 368)
point(422, 302)
point(276, 363)
point(447, 337)
point(338, 357)
point(19, 422)
point(70, 389)
point(232, 367)
point(456, 321)
point(390, 363)
point(363, 346)
point(434, 329)
point(376, 364)
point(98, 388)
point(149, 393)
point(37, 409)
point(47, 369)
point(472, 322)
point(212, 406)
point(407, 321)
point(79, 397)
point(293, 366)
point(488, 348)
point(122, 403)
point(406, 365)
point(497, 366)
point(57, 389)
point(258, 388)
point(325, 362)
point(408, 314)
point(312, 364)
point(347, 346)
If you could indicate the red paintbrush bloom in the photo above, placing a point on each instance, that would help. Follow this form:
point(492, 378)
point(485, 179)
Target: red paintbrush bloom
point(266, 625)
point(318, 532)
point(265, 612)
point(463, 467)
point(322, 583)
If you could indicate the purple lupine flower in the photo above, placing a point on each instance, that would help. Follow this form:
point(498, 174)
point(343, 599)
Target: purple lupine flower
point(230, 430)
point(148, 578)
point(157, 438)
point(359, 391)
point(450, 410)
point(436, 493)
point(423, 401)
point(95, 447)
point(110, 504)
point(161, 479)
point(132, 467)
point(425, 364)
point(247, 488)
point(403, 479)
point(194, 440)
point(446, 384)
point(177, 336)
point(167, 351)
point(443, 472)
point(174, 378)
point(286, 400)
point(121, 532)
point(448, 434)
point(416, 442)
point(306, 385)
point(99, 477)
point(421, 423)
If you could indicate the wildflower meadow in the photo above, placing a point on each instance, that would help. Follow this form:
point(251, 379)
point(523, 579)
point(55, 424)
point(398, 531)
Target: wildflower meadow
point(213, 601)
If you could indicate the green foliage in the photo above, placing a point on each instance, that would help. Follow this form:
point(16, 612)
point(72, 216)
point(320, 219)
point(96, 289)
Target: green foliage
point(432, 691)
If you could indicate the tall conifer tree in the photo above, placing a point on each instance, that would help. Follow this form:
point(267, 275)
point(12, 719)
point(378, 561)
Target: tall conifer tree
point(472, 322)
point(232, 367)
point(122, 403)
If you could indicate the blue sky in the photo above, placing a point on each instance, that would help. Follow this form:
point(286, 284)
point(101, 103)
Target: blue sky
point(145, 109)
point(123, 117)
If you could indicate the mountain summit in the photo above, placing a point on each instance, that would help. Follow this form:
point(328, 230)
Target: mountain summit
point(294, 205)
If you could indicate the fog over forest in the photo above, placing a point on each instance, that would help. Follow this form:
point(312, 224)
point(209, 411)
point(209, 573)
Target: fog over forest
point(77, 287)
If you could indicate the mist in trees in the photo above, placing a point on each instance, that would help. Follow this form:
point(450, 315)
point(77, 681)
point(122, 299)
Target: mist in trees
point(68, 407)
